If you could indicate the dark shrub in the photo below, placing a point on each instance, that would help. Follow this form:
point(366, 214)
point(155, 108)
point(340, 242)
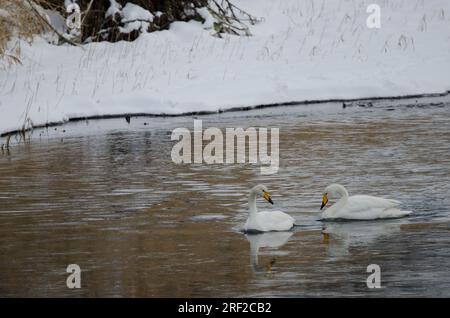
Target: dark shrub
point(97, 27)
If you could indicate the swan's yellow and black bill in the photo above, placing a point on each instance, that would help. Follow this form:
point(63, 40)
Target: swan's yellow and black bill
point(324, 201)
point(267, 197)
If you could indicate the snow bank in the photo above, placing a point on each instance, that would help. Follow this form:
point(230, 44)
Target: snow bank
point(114, 8)
point(135, 18)
point(303, 50)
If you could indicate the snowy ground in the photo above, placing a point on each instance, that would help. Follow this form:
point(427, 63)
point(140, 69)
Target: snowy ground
point(303, 50)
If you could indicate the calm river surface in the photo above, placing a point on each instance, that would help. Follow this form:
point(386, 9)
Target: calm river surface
point(106, 195)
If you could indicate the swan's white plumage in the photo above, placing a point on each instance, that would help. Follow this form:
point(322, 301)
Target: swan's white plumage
point(360, 207)
point(265, 221)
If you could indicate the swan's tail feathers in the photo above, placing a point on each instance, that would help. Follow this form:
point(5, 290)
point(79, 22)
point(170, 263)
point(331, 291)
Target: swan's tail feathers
point(394, 202)
point(397, 213)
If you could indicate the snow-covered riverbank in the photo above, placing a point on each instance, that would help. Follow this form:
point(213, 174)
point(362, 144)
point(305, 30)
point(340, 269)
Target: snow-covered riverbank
point(302, 50)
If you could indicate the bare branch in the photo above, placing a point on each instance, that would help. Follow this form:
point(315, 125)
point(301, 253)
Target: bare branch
point(61, 36)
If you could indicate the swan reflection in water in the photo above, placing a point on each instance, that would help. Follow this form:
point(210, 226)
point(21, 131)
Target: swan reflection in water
point(261, 240)
point(341, 236)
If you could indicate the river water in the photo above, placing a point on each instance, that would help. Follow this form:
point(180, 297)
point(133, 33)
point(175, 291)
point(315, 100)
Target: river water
point(105, 195)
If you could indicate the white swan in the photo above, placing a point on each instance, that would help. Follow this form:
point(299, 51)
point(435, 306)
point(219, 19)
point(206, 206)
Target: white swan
point(265, 221)
point(358, 207)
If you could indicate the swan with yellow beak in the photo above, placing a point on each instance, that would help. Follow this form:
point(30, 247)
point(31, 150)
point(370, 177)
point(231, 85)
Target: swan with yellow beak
point(358, 207)
point(265, 221)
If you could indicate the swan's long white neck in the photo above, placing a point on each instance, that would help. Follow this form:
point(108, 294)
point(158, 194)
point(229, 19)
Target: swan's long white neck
point(252, 210)
point(343, 194)
point(341, 202)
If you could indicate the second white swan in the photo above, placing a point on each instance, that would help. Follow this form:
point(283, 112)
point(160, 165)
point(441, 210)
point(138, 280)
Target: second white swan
point(358, 207)
point(265, 221)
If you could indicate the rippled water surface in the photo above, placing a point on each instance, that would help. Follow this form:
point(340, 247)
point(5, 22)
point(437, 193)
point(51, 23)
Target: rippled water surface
point(105, 195)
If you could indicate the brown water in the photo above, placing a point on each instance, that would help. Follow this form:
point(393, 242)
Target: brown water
point(105, 195)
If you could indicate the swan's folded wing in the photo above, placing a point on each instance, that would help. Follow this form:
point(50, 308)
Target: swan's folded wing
point(359, 203)
point(275, 221)
point(364, 207)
